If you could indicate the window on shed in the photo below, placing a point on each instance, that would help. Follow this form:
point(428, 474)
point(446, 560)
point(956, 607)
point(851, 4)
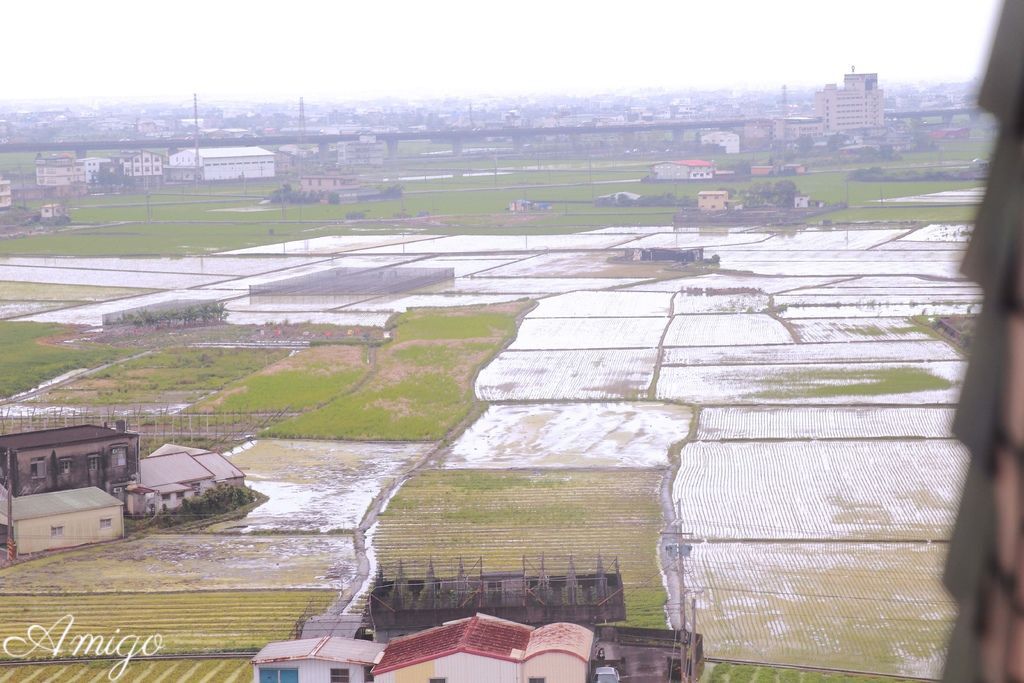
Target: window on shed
point(105, 522)
point(340, 676)
point(37, 468)
point(438, 680)
point(94, 462)
point(65, 466)
point(56, 532)
point(118, 456)
point(537, 679)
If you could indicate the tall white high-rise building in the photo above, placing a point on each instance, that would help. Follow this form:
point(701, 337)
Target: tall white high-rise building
point(860, 104)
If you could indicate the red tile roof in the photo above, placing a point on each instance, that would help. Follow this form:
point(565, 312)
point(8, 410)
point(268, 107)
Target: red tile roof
point(693, 162)
point(479, 635)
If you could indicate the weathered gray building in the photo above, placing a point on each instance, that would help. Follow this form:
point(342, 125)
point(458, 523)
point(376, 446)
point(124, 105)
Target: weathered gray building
point(71, 458)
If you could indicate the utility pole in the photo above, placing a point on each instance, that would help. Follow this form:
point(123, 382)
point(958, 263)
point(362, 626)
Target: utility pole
point(12, 548)
point(302, 135)
point(693, 640)
point(682, 551)
point(195, 121)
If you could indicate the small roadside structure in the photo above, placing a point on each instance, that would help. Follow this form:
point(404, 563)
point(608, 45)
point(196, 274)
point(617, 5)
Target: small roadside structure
point(178, 472)
point(526, 205)
point(713, 200)
point(330, 659)
point(63, 519)
point(49, 212)
point(665, 254)
point(618, 199)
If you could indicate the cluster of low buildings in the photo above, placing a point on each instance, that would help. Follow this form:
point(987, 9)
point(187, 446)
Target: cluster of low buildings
point(72, 486)
point(855, 109)
point(469, 650)
point(60, 176)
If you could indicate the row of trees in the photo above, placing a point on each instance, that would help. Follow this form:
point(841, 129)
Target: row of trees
point(210, 312)
point(779, 194)
point(219, 500)
point(878, 174)
point(286, 194)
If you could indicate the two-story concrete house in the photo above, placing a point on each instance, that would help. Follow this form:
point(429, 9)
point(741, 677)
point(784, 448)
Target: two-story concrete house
point(71, 458)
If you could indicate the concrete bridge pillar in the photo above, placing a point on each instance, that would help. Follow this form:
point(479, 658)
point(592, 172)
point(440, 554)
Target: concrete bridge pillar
point(324, 150)
point(574, 142)
point(457, 146)
point(678, 136)
point(947, 119)
point(517, 143)
point(81, 153)
point(392, 148)
point(629, 140)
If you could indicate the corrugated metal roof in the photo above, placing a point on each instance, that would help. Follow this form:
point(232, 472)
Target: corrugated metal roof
point(171, 468)
point(175, 448)
point(62, 502)
point(331, 648)
point(220, 466)
point(221, 152)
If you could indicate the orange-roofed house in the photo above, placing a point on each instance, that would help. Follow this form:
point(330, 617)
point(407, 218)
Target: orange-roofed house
point(485, 648)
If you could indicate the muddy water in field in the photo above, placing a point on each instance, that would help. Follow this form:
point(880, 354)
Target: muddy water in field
point(319, 486)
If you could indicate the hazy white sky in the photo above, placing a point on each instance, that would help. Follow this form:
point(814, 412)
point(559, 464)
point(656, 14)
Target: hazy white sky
point(340, 49)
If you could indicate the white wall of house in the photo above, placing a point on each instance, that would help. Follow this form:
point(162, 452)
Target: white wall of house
point(233, 168)
point(730, 142)
point(68, 529)
point(556, 667)
point(673, 171)
point(313, 670)
point(223, 167)
point(457, 668)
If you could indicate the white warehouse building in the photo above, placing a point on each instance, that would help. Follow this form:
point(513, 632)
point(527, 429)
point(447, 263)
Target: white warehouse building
point(221, 163)
point(729, 142)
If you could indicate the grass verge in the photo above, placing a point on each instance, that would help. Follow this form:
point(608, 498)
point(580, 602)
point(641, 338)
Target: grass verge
point(174, 375)
point(423, 381)
point(31, 353)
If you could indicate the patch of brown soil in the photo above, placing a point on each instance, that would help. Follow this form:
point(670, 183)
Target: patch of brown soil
point(318, 360)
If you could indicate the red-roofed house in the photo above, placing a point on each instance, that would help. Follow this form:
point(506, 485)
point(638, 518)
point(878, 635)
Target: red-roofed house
point(686, 169)
point(485, 648)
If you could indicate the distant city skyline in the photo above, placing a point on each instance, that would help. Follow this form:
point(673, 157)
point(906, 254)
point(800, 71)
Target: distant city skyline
point(335, 51)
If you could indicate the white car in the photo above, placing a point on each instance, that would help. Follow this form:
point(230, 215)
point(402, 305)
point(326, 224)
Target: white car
point(606, 674)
